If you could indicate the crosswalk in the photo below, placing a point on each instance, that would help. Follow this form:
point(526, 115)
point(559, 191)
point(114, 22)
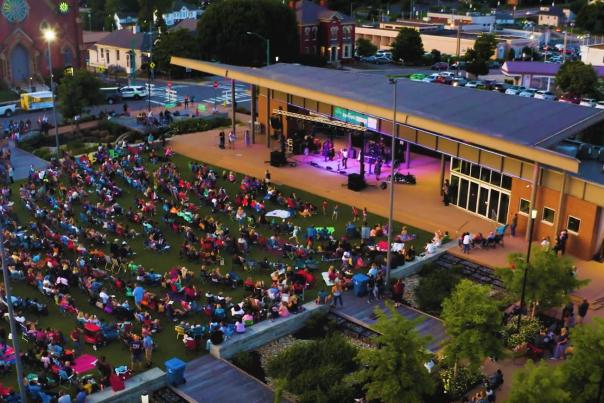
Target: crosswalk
point(223, 94)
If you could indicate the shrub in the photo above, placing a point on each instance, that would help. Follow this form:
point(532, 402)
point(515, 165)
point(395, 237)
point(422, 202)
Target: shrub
point(44, 153)
point(436, 284)
point(529, 328)
point(249, 361)
point(459, 383)
point(318, 326)
point(197, 125)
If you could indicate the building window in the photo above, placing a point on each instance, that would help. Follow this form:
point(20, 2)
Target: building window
point(107, 55)
point(548, 215)
point(525, 206)
point(117, 54)
point(333, 33)
point(102, 53)
point(314, 33)
point(306, 33)
point(67, 57)
point(573, 224)
point(346, 51)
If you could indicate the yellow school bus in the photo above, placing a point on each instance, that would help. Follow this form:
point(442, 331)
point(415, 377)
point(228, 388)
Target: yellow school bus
point(36, 100)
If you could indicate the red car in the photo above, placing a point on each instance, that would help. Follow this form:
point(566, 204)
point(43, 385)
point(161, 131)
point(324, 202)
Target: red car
point(569, 99)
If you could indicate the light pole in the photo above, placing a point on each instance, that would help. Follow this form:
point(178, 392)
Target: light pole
point(49, 36)
point(394, 82)
point(528, 257)
point(268, 45)
point(11, 315)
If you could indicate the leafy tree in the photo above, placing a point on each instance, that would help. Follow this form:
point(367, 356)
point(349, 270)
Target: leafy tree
point(479, 55)
point(549, 282)
point(397, 368)
point(539, 383)
point(436, 55)
point(223, 26)
point(584, 368)
point(577, 5)
point(315, 370)
point(174, 43)
point(78, 92)
point(591, 18)
point(577, 78)
point(473, 323)
point(146, 8)
point(408, 46)
point(365, 47)
point(434, 286)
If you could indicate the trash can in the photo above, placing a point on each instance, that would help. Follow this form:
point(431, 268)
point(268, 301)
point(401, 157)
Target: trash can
point(176, 371)
point(359, 282)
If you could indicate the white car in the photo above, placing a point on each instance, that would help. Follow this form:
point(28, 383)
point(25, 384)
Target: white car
point(473, 84)
point(528, 93)
point(384, 53)
point(514, 90)
point(7, 110)
point(546, 95)
point(588, 102)
point(448, 74)
point(600, 105)
point(134, 92)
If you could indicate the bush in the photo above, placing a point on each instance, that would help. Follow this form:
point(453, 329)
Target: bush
point(197, 125)
point(44, 153)
point(436, 284)
point(249, 361)
point(529, 328)
point(318, 326)
point(459, 384)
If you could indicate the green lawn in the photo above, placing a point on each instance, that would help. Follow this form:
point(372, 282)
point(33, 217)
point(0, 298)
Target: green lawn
point(8, 95)
point(166, 339)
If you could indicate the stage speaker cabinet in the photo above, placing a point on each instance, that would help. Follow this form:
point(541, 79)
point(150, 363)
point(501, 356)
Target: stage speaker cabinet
point(278, 159)
point(356, 182)
point(383, 185)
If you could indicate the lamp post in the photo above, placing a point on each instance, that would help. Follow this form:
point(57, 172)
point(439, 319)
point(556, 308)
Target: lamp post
point(394, 82)
point(268, 45)
point(49, 36)
point(528, 257)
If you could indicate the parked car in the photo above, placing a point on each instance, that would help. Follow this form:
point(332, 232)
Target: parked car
point(134, 92)
point(382, 60)
point(600, 105)
point(474, 83)
point(368, 59)
point(443, 80)
point(528, 93)
point(569, 99)
point(461, 64)
point(449, 74)
point(112, 95)
point(384, 53)
point(486, 84)
point(459, 82)
point(417, 77)
point(515, 90)
point(500, 87)
point(440, 66)
point(430, 79)
point(545, 95)
point(8, 109)
point(588, 102)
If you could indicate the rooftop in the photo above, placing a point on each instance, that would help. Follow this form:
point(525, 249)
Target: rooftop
point(190, 24)
point(538, 68)
point(308, 12)
point(125, 38)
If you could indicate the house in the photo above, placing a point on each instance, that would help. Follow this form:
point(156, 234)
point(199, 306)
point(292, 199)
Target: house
point(181, 11)
point(123, 20)
point(190, 24)
point(324, 32)
point(593, 54)
point(554, 16)
point(125, 48)
point(470, 21)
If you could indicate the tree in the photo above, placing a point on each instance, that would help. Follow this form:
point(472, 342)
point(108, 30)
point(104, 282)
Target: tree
point(584, 368)
point(550, 279)
point(577, 78)
point(365, 47)
point(479, 55)
point(473, 322)
point(591, 18)
point(408, 46)
point(539, 383)
point(174, 43)
point(396, 368)
point(148, 9)
point(436, 55)
point(78, 92)
point(223, 26)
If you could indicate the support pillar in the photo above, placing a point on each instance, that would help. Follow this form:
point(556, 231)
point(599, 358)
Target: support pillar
point(442, 173)
point(408, 154)
point(233, 108)
point(253, 114)
point(561, 200)
point(536, 181)
point(268, 117)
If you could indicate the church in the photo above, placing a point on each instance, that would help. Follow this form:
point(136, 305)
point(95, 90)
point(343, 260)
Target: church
point(23, 50)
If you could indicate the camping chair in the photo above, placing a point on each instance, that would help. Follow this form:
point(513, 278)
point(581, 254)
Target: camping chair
point(180, 331)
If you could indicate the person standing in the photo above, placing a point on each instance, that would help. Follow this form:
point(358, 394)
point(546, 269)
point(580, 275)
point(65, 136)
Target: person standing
point(221, 140)
point(378, 169)
point(370, 287)
point(267, 178)
point(336, 291)
point(345, 158)
point(136, 352)
point(582, 310)
point(514, 224)
point(148, 345)
point(466, 241)
point(138, 293)
point(324, 207)
point(355, 214)
point(334, 213)
point(75, 337)
point(186, 102)
point(247, 138)
point(232, 138)
point(446, 189)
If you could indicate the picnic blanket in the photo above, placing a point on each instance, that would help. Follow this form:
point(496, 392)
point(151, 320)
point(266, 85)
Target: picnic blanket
point(84, 363)
point(278, 214)
point(325, 276)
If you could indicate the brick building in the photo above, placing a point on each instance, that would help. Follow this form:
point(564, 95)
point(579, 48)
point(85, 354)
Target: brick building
point(23, 50)
point(324, 32)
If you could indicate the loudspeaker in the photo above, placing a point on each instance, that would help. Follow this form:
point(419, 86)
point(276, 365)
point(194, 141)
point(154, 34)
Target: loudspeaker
point(383, 185)
point(356, 182)
point(278, 159)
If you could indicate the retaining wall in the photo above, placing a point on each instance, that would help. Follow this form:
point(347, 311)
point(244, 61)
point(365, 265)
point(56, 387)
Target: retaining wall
point(141, 384)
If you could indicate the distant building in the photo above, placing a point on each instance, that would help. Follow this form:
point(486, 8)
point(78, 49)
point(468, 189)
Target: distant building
point(189, 24)
point(554, 16)
point(419, 26)
point(181, 11)
point(123, 20)
point(593, 54)
point(125, 48)
point(538, 75)
point(324, 32)
point(470, 21)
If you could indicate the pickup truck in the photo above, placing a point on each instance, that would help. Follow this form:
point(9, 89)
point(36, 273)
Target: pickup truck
point(7, 109)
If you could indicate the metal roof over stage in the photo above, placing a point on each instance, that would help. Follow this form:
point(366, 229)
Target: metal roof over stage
point(519, 126)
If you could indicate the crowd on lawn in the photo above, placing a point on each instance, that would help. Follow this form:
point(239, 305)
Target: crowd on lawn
point(79, 232)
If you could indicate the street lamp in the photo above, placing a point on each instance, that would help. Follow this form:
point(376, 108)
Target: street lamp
point(50, 36)
point(268, 45)
point(528, 257)
point(394, 82)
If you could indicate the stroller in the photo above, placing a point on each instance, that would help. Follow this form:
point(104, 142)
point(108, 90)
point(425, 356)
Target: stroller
point(93, 335)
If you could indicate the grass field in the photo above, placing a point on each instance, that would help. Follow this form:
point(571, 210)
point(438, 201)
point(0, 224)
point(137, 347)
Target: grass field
point(166, 340)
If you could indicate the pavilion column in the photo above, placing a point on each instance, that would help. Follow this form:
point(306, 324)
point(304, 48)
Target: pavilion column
point(233, 108)
point(536, 181)
point(408, 154)
point(442, 173)
point(253, 114)
point(268, 117)
point(561, 200)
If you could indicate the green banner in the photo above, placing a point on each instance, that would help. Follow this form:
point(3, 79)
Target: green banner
point(348, 116)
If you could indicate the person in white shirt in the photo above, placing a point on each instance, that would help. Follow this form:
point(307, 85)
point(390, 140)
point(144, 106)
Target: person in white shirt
point(466, 241)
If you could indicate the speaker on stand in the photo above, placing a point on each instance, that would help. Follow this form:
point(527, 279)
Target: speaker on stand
point(356, 182)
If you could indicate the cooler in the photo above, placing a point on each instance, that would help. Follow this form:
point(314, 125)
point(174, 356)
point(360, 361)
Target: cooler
point(359, 282)
point(176, 371)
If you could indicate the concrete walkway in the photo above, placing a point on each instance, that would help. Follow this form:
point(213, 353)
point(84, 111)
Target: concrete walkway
point(22, 160)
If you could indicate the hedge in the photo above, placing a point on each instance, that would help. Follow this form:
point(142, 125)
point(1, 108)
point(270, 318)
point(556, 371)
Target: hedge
point(197, 125)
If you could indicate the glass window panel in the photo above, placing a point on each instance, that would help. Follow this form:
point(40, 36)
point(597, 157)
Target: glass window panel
point(463, 193)
point(504, 204)
point(549, 215)
point(485, 175)
point(574, 224)
point(465, 167)
point(506, 182)
point(453, 189)
point(493, 204)
point(455, 164)
point(475, 173)
point(473, 196)
point(496, 178)
point(483, 201)
point(525, 206)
